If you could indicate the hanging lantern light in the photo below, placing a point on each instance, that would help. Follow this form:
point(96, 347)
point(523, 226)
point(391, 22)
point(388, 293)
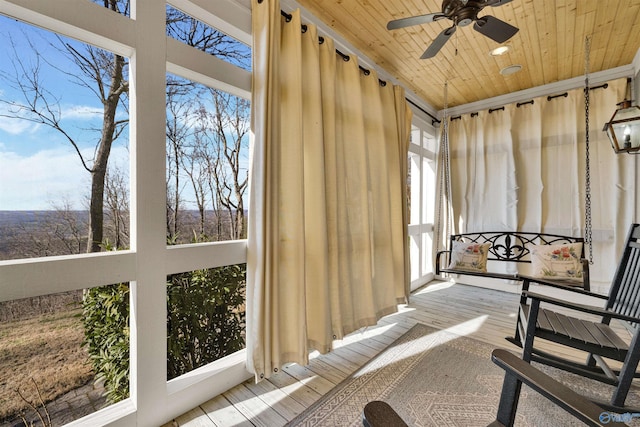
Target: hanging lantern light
point(623, 129)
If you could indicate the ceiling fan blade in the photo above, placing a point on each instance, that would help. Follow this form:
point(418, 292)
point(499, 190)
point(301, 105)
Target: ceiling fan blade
point(496, 3)
point(495, 28)
point(414, 20)
point(439, 41)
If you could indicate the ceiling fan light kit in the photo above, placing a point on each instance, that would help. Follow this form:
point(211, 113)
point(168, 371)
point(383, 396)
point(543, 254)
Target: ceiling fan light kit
point(461, 13)
point(500, 50)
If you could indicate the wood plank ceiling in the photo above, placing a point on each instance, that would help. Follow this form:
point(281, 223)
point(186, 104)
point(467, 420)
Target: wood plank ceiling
point(550, 45)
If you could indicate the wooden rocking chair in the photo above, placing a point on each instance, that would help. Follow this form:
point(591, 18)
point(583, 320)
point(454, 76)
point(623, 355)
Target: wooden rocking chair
point(597, 338)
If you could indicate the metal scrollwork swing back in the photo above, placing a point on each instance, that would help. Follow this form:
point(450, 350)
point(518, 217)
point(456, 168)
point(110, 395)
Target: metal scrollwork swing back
point(514, 246)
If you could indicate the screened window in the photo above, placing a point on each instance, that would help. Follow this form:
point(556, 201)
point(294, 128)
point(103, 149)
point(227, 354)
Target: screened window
point(64, 145)
point(207, 163)
point(96, 177)
point(421, 194)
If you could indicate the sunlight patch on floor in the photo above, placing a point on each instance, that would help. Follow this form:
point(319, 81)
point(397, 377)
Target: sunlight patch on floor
point(468, 327)
point(434, 287)
point(439, 337)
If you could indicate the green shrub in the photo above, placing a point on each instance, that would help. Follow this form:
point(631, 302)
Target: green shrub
point(106, 330)
point(205, 317)
point(205, 321)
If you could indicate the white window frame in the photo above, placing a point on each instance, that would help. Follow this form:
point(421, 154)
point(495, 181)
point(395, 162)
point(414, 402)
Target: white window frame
point(422, 186)
point(142, 38)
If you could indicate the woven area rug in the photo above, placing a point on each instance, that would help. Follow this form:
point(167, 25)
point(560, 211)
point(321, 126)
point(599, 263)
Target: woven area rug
point(436, 378)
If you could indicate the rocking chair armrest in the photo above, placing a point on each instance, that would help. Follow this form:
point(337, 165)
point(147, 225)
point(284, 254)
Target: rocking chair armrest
point(527, 280)
point(580, 307)
point(561, 395)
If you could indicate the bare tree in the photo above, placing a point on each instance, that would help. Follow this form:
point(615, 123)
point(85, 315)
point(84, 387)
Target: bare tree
point(117, 207)
point(105, 75)
point(207, 141)
point(204, 145)
point(180, 95)
point(230, 178)
point(205, 38)
point(192, 166)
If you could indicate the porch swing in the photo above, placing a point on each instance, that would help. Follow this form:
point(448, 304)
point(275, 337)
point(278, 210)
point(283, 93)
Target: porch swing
point(470, 253)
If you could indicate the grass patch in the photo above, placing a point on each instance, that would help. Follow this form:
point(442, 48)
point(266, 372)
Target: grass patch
point(47, 349)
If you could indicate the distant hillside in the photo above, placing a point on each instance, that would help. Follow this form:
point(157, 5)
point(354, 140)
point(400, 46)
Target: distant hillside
point(14, 218)
point(17, 227)
point(25, 234)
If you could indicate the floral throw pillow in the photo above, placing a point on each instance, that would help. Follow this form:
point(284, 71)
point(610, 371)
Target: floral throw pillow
point(558, 262)
point(469, 256)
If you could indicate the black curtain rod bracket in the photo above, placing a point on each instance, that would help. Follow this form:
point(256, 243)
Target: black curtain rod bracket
point(345, 58)
point(491, 110)
point(520, 104)
point(288, 17)
point(604, 86)
point(562, 95)
point(474, 114)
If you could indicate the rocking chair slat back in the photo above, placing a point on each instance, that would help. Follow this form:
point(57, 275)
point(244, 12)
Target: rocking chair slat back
point(625, 289)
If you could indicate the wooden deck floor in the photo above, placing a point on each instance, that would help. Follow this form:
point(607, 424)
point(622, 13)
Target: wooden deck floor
point(484, 314)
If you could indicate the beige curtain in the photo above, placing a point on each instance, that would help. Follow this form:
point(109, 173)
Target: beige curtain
point(327, 219)
point(523, 168)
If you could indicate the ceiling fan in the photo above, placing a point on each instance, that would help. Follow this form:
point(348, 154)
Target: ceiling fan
point(462, 13)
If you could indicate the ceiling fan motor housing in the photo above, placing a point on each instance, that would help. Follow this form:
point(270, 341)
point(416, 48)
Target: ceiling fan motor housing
point(461, 12)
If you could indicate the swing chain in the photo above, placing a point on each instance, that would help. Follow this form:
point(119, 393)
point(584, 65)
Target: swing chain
point(588, 228)
point(445, 185)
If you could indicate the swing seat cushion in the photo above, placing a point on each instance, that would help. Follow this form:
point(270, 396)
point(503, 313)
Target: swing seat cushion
point(557, 262)
point(469, 256)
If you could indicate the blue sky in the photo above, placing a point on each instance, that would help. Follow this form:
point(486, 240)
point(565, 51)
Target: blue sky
point(39, 169)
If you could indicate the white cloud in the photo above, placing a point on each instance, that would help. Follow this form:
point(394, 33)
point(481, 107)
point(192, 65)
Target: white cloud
point(13, 126)
point(80, 112)
point(46, 178)
point(16, 126)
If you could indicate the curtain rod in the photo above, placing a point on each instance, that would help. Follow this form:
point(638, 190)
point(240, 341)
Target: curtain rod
point(434, 120)
point(344, 56)
point(366, 72)
point(549, 98)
